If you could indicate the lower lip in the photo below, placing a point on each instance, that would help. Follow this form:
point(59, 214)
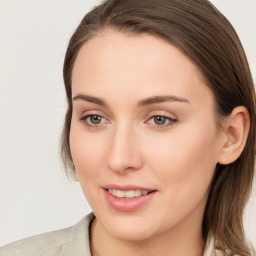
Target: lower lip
point(127, 205)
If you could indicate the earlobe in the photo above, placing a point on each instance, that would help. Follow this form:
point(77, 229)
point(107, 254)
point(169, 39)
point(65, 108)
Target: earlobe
point(236, 129)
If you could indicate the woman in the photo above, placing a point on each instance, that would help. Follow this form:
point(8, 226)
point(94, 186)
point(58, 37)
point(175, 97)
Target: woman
point(159, 131)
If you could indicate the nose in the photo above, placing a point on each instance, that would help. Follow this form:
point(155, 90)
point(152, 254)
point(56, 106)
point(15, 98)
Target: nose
point(124, 151)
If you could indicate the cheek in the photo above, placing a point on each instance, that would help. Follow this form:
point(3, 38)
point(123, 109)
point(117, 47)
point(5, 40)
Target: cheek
point(87, 152)
point(188, 149)
point(184, 163)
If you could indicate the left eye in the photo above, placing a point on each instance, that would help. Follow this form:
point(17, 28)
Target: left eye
point(161, 120)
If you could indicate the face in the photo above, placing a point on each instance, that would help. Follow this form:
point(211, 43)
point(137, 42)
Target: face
point(143, 136)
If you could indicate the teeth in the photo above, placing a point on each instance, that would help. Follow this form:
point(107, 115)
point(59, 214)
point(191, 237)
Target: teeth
point(127, 194)
point(119, 193)
point(137, 193)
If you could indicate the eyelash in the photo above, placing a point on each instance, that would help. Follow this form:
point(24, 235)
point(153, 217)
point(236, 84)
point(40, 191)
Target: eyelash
point(171, 122)
point(84, 119)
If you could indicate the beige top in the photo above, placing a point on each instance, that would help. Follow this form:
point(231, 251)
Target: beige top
point(72, 241)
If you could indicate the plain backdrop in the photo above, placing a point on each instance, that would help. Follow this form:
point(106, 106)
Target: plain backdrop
point(35, 195)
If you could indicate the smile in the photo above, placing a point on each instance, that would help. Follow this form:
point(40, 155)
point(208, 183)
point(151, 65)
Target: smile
point(128, 198)
point(127, 194)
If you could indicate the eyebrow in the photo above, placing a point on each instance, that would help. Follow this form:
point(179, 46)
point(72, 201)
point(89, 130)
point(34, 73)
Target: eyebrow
point(142, 103)
point(91, 99)
point(160, 99)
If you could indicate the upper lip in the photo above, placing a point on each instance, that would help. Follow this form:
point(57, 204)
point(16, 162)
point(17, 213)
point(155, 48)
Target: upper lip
point(127, 187)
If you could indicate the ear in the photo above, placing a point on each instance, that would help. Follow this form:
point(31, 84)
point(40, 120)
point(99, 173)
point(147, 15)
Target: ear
point(236, 129)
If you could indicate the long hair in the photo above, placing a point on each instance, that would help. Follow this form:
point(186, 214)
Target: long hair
point(201, 32)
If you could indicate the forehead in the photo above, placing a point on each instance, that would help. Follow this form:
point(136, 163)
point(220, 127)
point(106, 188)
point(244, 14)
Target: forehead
point(136, 64)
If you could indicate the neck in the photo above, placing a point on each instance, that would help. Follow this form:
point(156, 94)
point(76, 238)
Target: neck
point(181, 240)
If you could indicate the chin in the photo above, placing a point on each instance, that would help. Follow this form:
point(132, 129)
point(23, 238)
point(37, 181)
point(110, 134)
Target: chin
point(130, 234)
point(130, 227)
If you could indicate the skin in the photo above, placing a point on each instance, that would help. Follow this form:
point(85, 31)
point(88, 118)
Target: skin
point(177, 158)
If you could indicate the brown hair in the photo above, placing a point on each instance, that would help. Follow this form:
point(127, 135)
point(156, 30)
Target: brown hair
point(205, 36)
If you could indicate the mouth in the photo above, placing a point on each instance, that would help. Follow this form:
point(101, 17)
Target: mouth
point(128, 193)
point(128, 198)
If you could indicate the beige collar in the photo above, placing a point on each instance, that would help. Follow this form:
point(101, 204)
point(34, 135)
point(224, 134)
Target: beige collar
point(210, 247)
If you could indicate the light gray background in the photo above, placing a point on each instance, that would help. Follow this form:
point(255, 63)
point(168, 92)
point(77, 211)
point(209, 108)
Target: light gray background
point(35, 195)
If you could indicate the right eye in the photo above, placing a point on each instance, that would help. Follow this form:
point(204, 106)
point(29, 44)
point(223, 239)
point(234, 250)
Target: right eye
point(93, 120)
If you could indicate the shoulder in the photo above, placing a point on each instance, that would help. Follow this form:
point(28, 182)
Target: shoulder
point(45, 244)
point(69, 241)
